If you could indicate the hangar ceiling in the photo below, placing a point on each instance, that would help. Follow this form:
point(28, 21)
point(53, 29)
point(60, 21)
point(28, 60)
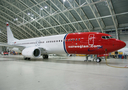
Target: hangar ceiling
point(35, 18)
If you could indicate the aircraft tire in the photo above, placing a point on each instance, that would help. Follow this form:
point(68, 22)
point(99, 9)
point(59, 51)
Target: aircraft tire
point(28, 58)
point(98, 60)
point(45, 56)
point(25, 58)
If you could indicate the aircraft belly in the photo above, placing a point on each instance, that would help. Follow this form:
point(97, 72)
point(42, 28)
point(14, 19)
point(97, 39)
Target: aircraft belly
point(84, 51)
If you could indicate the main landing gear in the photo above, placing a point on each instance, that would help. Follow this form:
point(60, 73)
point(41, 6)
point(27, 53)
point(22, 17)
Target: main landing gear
point(26, 58)
point(45, 56)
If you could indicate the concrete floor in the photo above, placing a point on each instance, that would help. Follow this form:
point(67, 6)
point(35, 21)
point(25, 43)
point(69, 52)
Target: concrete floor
point(56, 73)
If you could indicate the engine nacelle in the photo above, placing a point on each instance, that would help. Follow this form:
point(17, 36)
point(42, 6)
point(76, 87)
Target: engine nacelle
point(31, 52)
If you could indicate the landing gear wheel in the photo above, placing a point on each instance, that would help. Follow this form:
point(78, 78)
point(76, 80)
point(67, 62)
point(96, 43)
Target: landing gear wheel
point(28, 58)
point(45, 56)
point(25, 58)
point(98, 60)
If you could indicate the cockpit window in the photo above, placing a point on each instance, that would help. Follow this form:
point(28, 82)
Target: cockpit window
point(106, 37)
point(103, 37)
point(110, 36)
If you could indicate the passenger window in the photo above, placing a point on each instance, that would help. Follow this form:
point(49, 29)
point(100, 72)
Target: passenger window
point(79, 39)
point(68, 39)
point(76, 39)
point(73, 39)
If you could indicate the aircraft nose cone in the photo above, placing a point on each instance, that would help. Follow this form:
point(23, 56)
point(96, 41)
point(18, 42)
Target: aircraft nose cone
point(121, 44)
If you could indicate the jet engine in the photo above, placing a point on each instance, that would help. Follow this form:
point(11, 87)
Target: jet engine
point(31, 52)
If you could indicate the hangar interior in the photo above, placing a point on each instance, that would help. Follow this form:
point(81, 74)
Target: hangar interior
point(36, 18)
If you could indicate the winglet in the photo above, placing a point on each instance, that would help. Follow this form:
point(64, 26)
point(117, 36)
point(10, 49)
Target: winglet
point(7, 24)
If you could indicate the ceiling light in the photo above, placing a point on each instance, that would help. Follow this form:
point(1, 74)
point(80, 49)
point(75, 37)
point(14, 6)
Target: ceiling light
point(32, 18)
point(64, 0)
point(16, 19)
point(28, 13)
point(46, 7)
point(41, 8)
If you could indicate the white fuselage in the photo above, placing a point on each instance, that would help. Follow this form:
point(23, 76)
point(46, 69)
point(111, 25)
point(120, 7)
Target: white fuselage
point(52, 44)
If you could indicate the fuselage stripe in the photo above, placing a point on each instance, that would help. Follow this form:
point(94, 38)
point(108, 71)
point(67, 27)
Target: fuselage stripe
point(64, 44)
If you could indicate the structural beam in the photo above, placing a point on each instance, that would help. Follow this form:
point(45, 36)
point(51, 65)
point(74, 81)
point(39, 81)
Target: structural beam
point(96, 14)
point(79, 17)
point(64, 15)
point(111, 9)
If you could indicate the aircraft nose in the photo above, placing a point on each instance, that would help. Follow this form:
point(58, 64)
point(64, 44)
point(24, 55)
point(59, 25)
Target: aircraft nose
point(121, 44)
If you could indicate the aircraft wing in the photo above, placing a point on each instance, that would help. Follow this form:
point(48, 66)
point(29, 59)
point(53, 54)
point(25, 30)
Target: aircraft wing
point(12, 46)
point(43, 50)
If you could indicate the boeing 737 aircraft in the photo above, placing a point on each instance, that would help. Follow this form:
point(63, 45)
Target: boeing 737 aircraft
point(72, 43)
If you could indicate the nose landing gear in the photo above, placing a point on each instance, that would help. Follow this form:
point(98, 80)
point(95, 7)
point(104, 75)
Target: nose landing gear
point(98, 60)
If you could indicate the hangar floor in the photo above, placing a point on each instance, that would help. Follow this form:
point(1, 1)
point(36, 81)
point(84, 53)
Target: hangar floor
point(56, 73)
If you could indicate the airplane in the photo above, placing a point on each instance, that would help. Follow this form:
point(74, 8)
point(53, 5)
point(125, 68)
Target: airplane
point(72, 43)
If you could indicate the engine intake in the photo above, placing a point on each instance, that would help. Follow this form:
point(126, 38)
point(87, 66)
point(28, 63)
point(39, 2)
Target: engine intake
point(36, 52)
